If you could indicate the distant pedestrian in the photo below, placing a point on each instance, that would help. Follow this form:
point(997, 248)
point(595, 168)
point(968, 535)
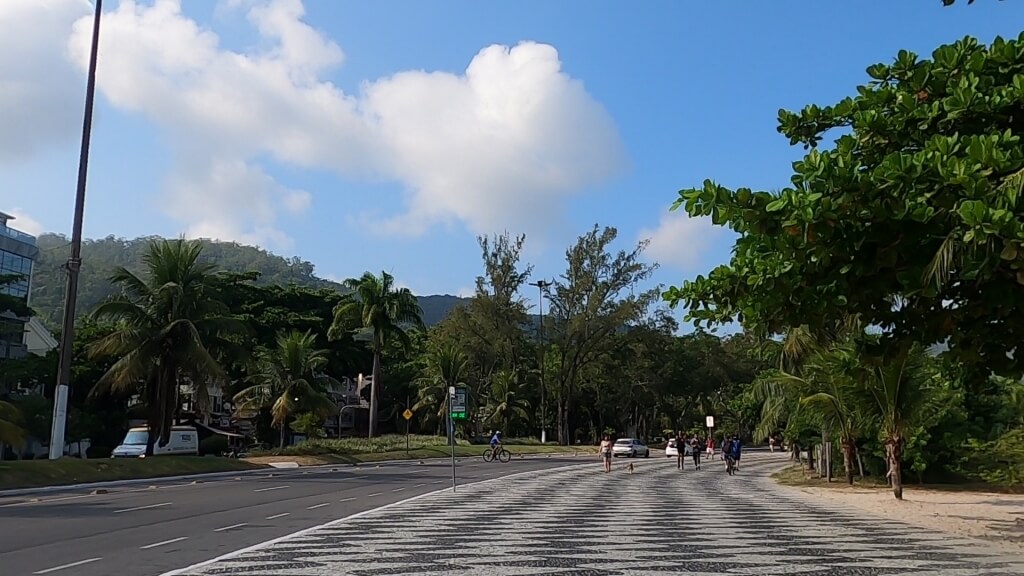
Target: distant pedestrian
point(680, 451)
point(711, 447)
point(695, 450)
point(771, 443)
point(606, 453)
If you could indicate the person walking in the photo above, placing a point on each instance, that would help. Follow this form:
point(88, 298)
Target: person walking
point(711, 447)
point(680, 451)
point(606, 452)
point(736, 449)
point(695, 450)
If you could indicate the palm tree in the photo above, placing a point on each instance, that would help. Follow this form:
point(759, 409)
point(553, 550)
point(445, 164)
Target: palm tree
point(288, 378)
point(827, 390)
point(446, 365)
point(896, 387)
point(11, 421)
point(386, 312)
point(507, 402)
point(169, 333)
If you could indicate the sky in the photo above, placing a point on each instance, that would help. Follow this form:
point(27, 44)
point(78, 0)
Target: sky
point(387, 135)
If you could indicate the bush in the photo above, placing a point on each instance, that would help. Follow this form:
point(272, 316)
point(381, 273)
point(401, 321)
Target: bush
point(215, 445)
point(98, 452)
point(1000, 461)
point(348, 446)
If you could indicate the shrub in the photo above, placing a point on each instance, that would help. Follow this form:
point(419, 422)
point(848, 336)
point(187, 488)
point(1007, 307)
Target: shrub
point(215, 445)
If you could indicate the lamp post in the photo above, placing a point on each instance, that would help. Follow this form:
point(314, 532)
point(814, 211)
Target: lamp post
point(542, 285)
point(74, 264)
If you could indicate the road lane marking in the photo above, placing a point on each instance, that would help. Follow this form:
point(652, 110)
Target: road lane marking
point(315, 506)
point(143, 507)
point(271, 488)
point(276, 516)
point(398, 489)
point(231, 527)
point(71, 565)
point(374, 494)
point(419, 485)
point(347, 499)
point(165, 542)
point(437, 481)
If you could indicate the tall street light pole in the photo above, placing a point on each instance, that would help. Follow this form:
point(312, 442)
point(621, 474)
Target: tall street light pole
point(74, 264)
point(542, 285)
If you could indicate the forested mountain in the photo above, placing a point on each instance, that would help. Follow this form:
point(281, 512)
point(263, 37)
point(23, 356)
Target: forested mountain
point(99, 257)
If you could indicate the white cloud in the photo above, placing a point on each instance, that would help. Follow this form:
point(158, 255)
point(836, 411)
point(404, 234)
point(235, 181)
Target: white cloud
point(680, 241)
point(466, 292)
point(25, 223)
point(41, 96)
point(499, 146)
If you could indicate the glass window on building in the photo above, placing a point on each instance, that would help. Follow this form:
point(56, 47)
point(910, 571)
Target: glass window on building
point(15, 265)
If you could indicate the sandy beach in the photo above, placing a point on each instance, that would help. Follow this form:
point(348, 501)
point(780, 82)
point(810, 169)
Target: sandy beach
point(995, 518)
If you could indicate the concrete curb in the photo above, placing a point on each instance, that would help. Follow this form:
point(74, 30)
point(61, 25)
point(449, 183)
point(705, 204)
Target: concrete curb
point(213, 475)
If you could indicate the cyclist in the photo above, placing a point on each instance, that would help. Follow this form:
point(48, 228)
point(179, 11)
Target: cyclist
point(496, 443)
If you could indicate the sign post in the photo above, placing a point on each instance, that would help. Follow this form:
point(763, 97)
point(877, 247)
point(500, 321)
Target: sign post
point(408, 416)
point(452, 399)
point(710, 421)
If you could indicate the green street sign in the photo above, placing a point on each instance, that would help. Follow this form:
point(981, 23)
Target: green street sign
point(459, 404)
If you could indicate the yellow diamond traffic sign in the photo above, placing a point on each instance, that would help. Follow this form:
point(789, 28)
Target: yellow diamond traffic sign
point(407, 414)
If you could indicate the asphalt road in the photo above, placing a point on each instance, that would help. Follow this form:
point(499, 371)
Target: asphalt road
point(150, 529)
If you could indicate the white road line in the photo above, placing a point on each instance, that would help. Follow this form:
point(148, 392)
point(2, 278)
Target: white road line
point(398, 489)
point(72, 565)
point(143, 507)
point(374, 494)
point(315, 506)
point(231, 527)
point(276, 516)
point(347, 499)
point(419, 485)
point(437, 481)
point(171, 541)
point(271, 488)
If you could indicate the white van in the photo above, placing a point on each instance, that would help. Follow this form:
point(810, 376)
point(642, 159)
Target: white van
point(184, 440)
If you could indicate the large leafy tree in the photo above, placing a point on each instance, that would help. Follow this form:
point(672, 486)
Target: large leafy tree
point(288, 378)
point(386, 312)
point(595, 298)
point(169, 333)
point(911, 221)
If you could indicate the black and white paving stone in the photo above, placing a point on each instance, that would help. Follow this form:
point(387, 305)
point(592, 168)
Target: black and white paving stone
point(580, 521)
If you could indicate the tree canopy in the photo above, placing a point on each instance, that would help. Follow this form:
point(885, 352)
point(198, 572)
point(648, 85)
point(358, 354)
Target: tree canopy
point(912, 221)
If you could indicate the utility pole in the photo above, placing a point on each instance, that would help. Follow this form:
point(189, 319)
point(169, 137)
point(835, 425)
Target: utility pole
point(542, 285)
point(74, 264)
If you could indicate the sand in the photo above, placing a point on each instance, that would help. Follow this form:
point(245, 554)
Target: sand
point(995, 518)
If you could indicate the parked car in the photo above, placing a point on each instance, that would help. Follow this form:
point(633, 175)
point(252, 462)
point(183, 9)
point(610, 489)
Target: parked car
point(184, 440)
point(671, 450)
point(630, 448)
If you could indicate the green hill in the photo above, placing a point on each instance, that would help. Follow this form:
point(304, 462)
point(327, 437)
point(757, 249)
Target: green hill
point(99, 257)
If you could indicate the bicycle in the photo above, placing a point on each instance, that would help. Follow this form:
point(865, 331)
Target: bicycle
point(501, 455)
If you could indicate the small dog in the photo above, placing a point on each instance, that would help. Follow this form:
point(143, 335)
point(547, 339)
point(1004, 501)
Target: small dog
point(629, 468)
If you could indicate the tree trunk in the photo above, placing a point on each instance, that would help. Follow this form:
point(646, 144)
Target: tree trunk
point(894, 457)
point(860, 461)
point(150, 438)
point(560, 420)
point(848, 449)
point(281, 436)
point(374, 387)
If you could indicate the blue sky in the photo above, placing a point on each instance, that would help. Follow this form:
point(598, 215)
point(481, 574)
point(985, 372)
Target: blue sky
point(350, 135)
